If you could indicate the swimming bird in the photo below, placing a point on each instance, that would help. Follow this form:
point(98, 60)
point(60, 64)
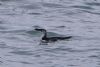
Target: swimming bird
point(51, 39)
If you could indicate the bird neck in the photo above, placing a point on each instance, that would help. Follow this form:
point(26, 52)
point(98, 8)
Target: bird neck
point(45, 34)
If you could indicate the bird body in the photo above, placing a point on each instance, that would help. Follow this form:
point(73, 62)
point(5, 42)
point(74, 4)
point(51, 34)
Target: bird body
point(51, 39)
point(55, 38)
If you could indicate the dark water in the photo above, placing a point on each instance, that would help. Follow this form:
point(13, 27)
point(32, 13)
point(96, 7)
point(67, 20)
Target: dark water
point(19, 42)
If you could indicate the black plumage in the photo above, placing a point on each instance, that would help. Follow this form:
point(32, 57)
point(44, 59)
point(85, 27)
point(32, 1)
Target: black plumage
point(51, 39)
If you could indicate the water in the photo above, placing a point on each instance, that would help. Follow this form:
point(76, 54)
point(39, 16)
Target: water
point(19, 42)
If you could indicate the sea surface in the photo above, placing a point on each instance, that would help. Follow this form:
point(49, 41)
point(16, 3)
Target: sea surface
point(20, 44)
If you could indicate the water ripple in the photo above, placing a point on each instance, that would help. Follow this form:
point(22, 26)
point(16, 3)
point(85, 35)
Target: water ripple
point(20, 52)
point(12, 31)
point(23, 62)
point(57, 50)
point(52, 5)
point(2, 28)
point(3, 45)
point(49, 34)
point(93, 4)
point(34, 13)
point(30, 6)
point(1, 22)
point(82, 7)
point(9, 0)
point(95, 13)
point(94, 56)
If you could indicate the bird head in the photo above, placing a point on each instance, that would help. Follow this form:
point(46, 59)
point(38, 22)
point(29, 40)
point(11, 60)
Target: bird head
point(42, 30)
